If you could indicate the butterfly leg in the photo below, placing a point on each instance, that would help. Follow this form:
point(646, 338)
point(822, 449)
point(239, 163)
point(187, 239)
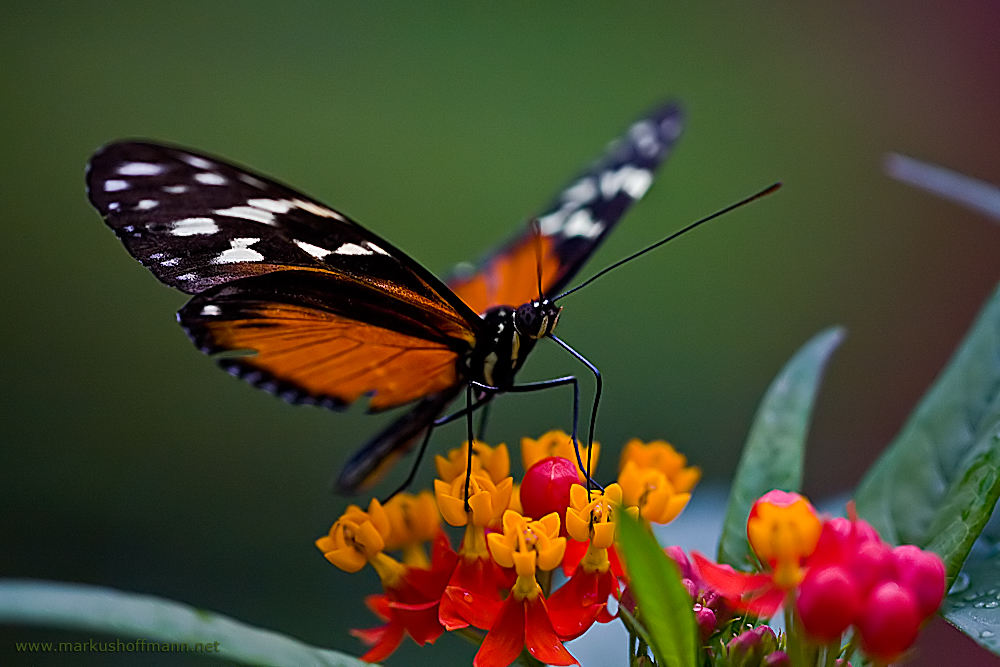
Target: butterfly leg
point(440, 421)
point(593, 410)
point(559, 382)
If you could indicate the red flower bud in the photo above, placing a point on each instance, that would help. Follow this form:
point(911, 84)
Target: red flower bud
point(889, 622)
point(545, 487)
point(871, 564)
point(828, 602)
point(923, 574)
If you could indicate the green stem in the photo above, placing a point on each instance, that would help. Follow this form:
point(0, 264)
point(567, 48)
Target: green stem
point(635, 627)
point(832, 653)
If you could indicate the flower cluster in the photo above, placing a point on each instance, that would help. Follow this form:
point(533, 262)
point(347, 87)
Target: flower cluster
point(499, 582)
point(831, 575)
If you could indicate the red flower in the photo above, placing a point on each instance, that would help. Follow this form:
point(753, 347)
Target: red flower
point(410, 605)
point(582, 601)
point(754, 593)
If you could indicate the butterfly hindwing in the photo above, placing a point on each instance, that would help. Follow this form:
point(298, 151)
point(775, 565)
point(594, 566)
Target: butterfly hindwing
point(576, 222)
point(325, 310)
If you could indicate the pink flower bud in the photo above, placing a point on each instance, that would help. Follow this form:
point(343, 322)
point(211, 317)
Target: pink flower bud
point(828, 602)
point(923, 573)
point(750, 647)
point(705, 618)
point(889, 622)
point(545, 487)
point(777, 659)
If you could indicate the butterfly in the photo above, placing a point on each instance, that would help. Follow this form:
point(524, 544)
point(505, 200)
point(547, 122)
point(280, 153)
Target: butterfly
point(299, 300)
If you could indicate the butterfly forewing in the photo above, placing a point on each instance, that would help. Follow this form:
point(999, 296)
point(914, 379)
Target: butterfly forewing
point(196, 222)
point(576, 222)
point(326, 310)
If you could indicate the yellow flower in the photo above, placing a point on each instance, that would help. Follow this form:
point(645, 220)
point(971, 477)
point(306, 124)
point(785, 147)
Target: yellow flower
point(487, 501)
point(526, 545)
point(660, 455)
point(495, 461)
point(592, 517)
point(557, 443)
point(413, 520)
point(356, 538)
point(650, 490)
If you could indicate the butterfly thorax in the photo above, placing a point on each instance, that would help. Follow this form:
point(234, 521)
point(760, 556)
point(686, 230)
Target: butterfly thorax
point(509, 335)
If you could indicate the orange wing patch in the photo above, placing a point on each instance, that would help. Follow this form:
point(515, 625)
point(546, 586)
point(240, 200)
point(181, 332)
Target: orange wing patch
point(510, 278)
point(324, 354)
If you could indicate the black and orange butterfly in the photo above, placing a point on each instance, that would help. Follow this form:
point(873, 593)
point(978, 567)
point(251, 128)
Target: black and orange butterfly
point(327, 312)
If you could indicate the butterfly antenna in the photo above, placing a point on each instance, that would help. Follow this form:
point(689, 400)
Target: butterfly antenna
point(537, 230)
point(743, 202)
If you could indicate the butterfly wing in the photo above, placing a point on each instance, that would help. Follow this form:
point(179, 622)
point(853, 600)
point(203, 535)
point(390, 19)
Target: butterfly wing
point(570, 230)
point(326, 310)
point(577, 222)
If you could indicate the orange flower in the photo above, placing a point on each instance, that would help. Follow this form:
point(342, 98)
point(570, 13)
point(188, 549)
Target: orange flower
point(494, 461)
point(557, 443)
point(783, 530)
point(661, 455)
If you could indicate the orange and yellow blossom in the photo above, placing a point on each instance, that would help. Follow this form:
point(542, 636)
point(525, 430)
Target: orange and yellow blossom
point(523, 619)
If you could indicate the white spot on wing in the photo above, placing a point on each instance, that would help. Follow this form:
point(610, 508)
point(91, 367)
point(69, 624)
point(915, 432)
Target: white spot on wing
point(209, 178)
point(580, 192)
point(157, 255)
point(186, 276)
point(553, 222)
point(272, 205)
point(146, 204)
point(197, 162)
point(316, 209)
point(315, 251)
point(141, 169)
point(352, 249)
point(115, 185)
point(174, 189)
point(374, 247)
point(240, 252)
point(643, 135)
point(632, 180)
point(211, 310)
point(582, 224)
point(114, 206)
point(193, 226)
point(170, 262)
point(248, 213)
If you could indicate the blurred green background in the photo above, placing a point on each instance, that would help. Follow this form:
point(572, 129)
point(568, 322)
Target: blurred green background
point(127, 460)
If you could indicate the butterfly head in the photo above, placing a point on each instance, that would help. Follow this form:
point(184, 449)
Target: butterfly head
point(536, 318)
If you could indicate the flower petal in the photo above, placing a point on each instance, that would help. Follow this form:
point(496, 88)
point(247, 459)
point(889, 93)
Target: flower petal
point(505, 639)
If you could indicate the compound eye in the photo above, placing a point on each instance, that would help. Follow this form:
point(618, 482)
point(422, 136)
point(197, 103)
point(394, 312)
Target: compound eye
point(526, 321)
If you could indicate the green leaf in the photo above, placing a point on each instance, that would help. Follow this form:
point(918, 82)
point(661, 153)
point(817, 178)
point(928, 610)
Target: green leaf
point(774, 452)
point(665, 608)
point(903, 492)
point(146, 617)
point(967, 507)
point(973, 605)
